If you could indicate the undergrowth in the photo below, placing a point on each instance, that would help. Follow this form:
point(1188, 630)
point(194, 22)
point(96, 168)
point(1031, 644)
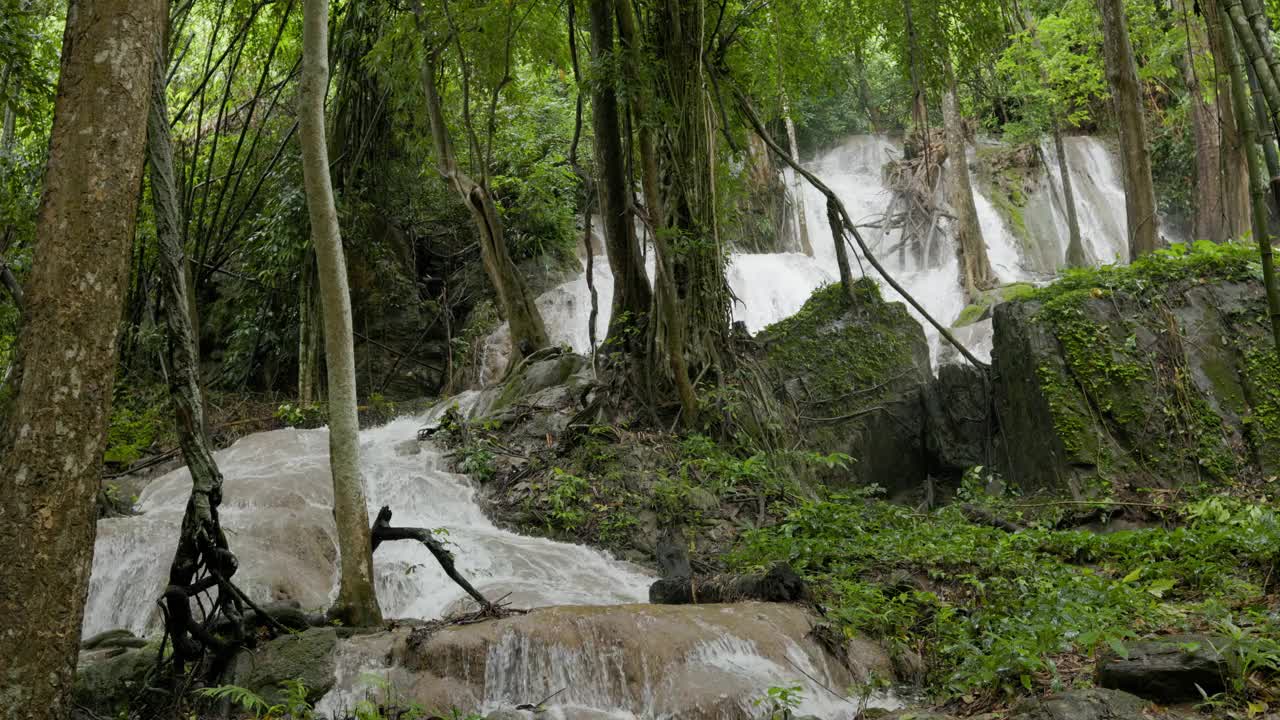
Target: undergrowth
point(996, 613)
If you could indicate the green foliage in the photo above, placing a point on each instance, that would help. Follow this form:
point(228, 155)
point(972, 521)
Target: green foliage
point(133, 432)
point(780, 702)
point(293, 707)
point(998, 611)
point(302, 416)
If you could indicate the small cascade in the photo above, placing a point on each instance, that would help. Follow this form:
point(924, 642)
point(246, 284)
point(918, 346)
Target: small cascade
point(650, 662)
point(277, 511)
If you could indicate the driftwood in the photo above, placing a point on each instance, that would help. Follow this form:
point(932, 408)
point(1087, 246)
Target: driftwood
point(982, 516)
point(780, 584)
point(382, 531)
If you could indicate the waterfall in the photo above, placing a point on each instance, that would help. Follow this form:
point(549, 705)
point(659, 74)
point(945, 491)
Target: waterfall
point(277, 511)
point(771, 287)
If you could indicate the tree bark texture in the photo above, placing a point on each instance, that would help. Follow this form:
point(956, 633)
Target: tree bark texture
point(1135, 160)
point(687, 165)
point(201, 542)
point(632, 297)
point(309, 332)
point(1234, 170)
point(975, 267)
point(668, 343)
point(357, 603)
point(54, 432)
point(1209, 221)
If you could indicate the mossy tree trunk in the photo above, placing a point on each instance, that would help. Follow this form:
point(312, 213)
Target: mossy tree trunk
point(1209, 221)
point(1135, 158)
point(357, 602)
point(54, 424)
point(632, 297)
point(668, 344)
point(687, 162)
point(202, 543)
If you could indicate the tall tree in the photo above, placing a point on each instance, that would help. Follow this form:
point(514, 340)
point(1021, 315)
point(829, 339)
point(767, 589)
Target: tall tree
point(1247, 123)
point(976, 273)
point(667, 329)
point(202, 545)
point(528, 333)
point(54, 430)
point(632, 297)
point(1135, 158)
point(357, 603)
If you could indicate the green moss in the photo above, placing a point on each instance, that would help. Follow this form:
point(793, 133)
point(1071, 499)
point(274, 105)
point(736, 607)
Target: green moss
point(839, 345)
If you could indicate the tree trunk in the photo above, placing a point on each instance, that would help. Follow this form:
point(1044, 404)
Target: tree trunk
point(357, 603)
point(1267, 138)
point(54, 430)
point(632, 297)
point(797, 187)
point(670, 343)
point(689, 155)
point(1135, 161)
point(1076, 255)
point(1209, 216)
point(309, 332)
point(1233, 166)
point(1247, 122)
point(975, 268)
point(202, 542)
point(528, 333)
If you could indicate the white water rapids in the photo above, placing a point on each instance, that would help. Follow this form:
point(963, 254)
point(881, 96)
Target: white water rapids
point(278, 496)
point(773, 286)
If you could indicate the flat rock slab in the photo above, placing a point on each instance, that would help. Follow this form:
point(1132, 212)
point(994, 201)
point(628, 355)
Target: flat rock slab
point(1090, 704)
point(1172, 669)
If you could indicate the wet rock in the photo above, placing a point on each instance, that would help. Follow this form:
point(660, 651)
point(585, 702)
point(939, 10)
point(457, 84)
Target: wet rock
point(1090, 704)
point(700, 662)
point(118, 638)
point(960, 422)
point(107, 680)
point(1162, 386)
point(1171, 669)
point(855, 369)
point(308, 656)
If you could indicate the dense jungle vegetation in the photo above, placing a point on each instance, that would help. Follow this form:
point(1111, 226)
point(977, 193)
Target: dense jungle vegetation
point(223, 217)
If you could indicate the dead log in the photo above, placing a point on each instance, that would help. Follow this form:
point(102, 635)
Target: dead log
point(780, 584)
point(383, 531)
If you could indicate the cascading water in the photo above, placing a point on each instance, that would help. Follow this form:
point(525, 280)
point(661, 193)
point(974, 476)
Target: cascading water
point(277, 511)
point(770, 287)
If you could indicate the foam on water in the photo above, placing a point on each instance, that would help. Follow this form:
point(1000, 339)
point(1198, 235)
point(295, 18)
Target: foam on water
point(773, 286)
point(277, 513)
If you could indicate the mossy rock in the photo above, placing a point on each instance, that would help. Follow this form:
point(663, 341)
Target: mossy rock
point(108, 681)
point(1155, 375)
point(857, 367)
point(306, 656)
point(981, 308)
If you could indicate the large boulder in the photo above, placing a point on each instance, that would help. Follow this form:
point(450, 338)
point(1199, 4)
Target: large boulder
point(1171, 669)
point(856, 369)
point(1160, 375)
point(692, 662)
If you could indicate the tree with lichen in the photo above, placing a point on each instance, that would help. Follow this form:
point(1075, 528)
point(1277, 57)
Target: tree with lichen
point(53, 429)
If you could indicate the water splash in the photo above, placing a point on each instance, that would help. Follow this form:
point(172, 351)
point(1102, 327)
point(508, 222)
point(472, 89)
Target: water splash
point(771, 287)
point(277, 510)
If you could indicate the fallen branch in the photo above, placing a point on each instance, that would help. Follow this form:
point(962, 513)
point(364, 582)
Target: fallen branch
point(382, 531)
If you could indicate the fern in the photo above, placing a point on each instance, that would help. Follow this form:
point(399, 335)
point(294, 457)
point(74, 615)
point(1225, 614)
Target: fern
point(244, 697)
